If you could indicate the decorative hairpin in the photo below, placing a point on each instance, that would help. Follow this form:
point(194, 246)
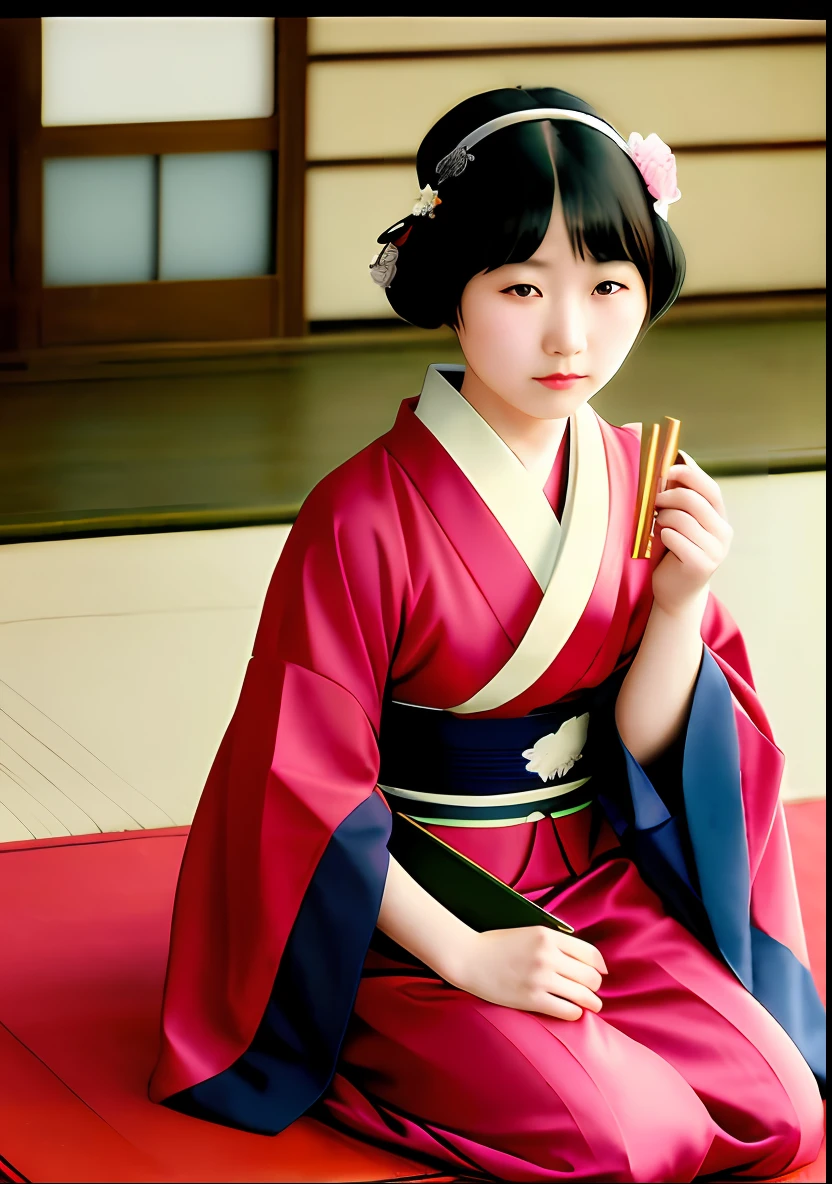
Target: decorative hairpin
point(426, 202)
point(383, 264)
point(454, 164)
point(651, 156)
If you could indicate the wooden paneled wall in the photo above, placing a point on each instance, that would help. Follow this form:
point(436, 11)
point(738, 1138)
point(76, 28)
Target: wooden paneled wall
point(741, 102)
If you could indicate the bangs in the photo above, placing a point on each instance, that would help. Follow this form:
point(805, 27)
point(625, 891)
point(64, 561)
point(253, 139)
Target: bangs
point(498, 210)
point(604, 205)
point(606, 214)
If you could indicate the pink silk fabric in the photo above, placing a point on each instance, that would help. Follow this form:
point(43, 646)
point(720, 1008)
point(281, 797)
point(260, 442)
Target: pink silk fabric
point(682, 1072)
point(396, 570)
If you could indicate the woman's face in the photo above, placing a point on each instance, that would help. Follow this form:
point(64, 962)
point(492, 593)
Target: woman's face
point(525, 324)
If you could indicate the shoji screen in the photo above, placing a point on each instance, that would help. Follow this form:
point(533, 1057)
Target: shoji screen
point(159, 178)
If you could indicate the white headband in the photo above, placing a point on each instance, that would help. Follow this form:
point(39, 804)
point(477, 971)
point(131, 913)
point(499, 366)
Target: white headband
point(457, 161)
point(652, 158)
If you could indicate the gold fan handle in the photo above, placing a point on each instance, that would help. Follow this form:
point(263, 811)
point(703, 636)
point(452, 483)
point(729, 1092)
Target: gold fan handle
point(669, 453)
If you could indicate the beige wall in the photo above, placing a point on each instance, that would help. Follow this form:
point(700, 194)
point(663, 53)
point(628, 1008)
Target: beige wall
point(749, 220)
point(774, 584)
point(723, 94)
point(357, 34)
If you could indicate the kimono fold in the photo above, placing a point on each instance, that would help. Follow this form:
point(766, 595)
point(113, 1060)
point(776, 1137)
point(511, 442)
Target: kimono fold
point(399, 581)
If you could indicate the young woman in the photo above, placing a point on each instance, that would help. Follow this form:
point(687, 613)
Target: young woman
point(456, 631)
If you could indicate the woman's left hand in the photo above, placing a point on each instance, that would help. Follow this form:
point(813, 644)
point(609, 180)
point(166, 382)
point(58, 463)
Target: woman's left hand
point(692, 526)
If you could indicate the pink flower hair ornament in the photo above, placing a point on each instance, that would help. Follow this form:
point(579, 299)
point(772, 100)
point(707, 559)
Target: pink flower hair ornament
point(657, 165)
point(652, 157)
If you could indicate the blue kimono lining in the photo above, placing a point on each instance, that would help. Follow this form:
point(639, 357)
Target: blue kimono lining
point(696, 858)
point(292, 1057)
point(712, 897)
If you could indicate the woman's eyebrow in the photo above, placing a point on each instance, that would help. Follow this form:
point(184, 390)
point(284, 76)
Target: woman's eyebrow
point(529, 263)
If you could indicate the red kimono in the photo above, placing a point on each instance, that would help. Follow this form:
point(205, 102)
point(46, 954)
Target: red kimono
point(431, 570)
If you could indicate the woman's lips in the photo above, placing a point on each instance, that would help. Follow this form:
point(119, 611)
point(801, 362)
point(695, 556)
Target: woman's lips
point(560, 382)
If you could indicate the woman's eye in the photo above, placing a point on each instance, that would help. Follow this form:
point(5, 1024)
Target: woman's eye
point(609, 288)
point(524, 290)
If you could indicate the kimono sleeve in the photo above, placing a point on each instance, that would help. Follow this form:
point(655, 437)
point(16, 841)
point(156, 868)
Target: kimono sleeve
point(716, 846)
point(285, 865)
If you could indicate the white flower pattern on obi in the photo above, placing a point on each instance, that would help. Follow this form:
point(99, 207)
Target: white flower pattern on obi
point(554, 755)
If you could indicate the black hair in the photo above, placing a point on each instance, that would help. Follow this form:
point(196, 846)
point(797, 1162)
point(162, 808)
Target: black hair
point(497, 211)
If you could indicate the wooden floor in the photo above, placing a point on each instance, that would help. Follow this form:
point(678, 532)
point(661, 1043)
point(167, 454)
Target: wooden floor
point(93, 444)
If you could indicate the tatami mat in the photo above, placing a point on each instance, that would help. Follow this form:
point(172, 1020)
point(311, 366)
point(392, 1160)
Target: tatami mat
point(121, 658)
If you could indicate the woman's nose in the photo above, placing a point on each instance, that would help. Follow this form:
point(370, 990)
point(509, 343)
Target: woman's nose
point(565, 332)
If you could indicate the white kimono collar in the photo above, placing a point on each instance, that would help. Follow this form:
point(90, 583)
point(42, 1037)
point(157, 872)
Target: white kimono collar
point(565, 559)
point(512, 493)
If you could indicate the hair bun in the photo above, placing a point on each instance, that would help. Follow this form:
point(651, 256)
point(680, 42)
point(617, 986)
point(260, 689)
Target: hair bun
point(383, 265)
point(398, 232)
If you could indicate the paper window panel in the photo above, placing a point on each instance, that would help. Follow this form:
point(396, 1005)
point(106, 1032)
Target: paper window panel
point(99, 220)
point(215, 212)
point(105, 70)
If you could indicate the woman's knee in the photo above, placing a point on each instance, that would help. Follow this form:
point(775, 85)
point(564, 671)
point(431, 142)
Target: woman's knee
point(792, 1117)
point(802, 1126)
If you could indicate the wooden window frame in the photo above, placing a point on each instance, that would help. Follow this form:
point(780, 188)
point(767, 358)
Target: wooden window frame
point(36, 317)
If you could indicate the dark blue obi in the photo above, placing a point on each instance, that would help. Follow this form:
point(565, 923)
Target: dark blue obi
point(455, 771)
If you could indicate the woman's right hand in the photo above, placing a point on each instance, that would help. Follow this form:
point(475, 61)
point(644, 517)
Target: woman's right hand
point(532, 969)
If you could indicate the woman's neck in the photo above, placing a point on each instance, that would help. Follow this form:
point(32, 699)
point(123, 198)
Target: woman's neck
point(535, 442)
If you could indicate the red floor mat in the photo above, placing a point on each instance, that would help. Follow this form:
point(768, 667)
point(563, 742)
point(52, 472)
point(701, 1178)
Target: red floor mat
point(83, 941)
